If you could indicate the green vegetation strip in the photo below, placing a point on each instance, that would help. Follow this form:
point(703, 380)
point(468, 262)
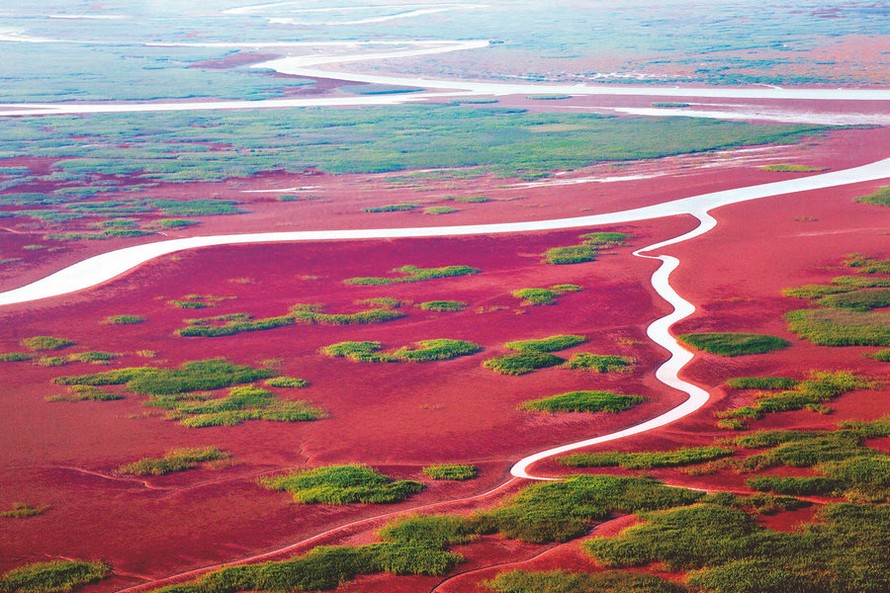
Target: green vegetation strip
point(124, 319)
point(441, 306)
point(646, 459)
point(880, 197)
point(559, 581)
point(544, 296)
point(422, 351)
point(174, 460)
point(601, 363)
point(56, 576)
point(587, 251)
point(522, 363)
point(448, 471)
point(841, 327)
point(792, 168)
point(548, 344)
point(45, 343)
point(22, 510)
point(411, 273)
point(583, 401)
point(342, 484)
point(734, 344)
point(811, 393)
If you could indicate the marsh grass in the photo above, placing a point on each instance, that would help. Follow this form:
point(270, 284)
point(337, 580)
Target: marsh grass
point(548, 344)
point(734, 344)
point(342, 484)
point(601, 363)
point(450, 471)
point(22, 510)
point(583, 401)
point(55, 576)
point(174, 460)
point(410, 273)
point(646, 459)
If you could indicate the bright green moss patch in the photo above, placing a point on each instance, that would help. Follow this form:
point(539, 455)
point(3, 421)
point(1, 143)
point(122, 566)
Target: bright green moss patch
point(79, 393)
point(561, 511)
point(548, 344)
point(436, 349)
point(880, 197)
point(544, 296)
point(442, 306)
point(342, 484)
point(174, 460)
point(294, 382)
point(841, 552)
point(646, 459)
point(858, 300)
point(242, 404)
point(734, 344)
point(393, 208)
point(411, 273)
point(792, 168)
point(124, 319)
point(45, 343)
point(867, 265)
point(522, 362)
point(601, 363)
point(22, 510)
point(841, 327)
point(583, 401)
point(559, 581)
point(817, 390)
point(56, 576)
point(769, 383)
point(422, 351)
point(214, 373)
point(446, 471)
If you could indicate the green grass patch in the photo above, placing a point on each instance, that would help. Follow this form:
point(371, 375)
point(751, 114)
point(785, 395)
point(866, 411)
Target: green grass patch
point(570, 254)
point(93, 357)
point(22, 510)
point(734, 344)
point(197, 301)
point(522, 363)
point(442, 306)
point(439, 210)
point(791, 168)
point(342, 484)
point(605, 238)
point(293, 382)
point(669, 105)
point(560, 581)
point(815, 291)
point(393, 208)
point(808, 486)
point(858, 300)
point(410, 273)
point(384, 302)
point(314, 314)
point(583, 401)
point(45, 343)
point(17, 356)
point(767, 383)
point(601, 363)
point(174, 460)
point(469, 199)
point(881, 197)
point(422, 351)
point(450, 471)
point(544, 296)
point(175, 223)
point(242, 404)
point(80, 393)
point(124, 319)
point(882, 355)
point(841, 327)
point(811, 393)
point(867, 265)
point(646, 459)
point(55, 576)
point(548, 344)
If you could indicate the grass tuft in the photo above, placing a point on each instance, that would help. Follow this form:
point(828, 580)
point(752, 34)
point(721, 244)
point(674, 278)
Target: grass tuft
point(55, 576)
point(447, 471)
point(583, 401)
point(342, 484)
point(734, 344)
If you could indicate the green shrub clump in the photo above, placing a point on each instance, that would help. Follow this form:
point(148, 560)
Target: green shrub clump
point(734, 344)
point(342, 484)
point(841, 327)
point(436, 349)
point(812, 393)
point(522, 362)
point(411, 273)
point(548, 344)
point(124, 319)
point(22, 510)
point(174, 460)
point(559, 581)
point(442, 306)
point(601, 363)
point(243, 403)
point(882, 355)
point(587, 251)
point(583, 401)
point(769, 383)
point(881, 197)
point(294, 382)
point(55, 576)
point(646, 459)
point(448, 471)
point(45, 343)
point(544, 296)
